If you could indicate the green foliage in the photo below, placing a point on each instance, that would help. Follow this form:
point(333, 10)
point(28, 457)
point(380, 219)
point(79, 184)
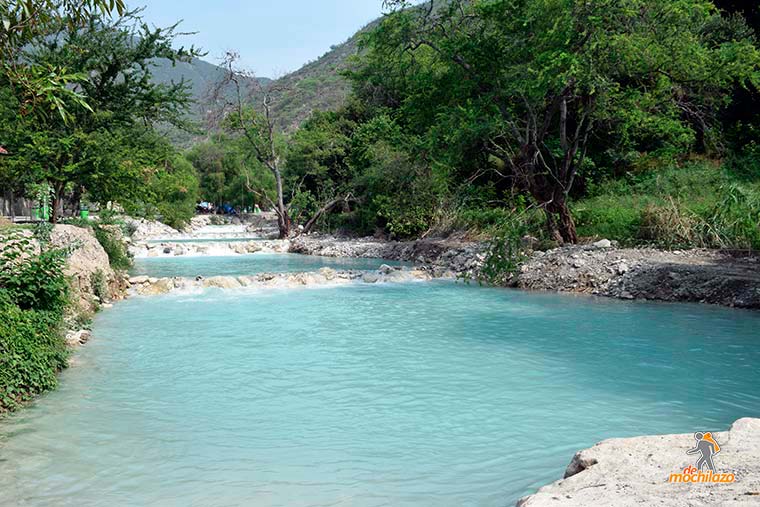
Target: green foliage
point(33, 296)
point(697, 205)
point(32, 351)
point(503, 258)
point(228, 176)
point(506, 251)
point(175, 192)
point(534, 94)
point(34, 281)
point(42, 232)
point(118, 257)
point(99, 285)
point(99, 149)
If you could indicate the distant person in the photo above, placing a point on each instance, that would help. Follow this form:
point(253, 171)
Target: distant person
point(256, 209)
point(707, 447)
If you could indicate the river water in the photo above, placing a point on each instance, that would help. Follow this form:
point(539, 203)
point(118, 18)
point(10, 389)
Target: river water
point(416, 394)
point(236, 265)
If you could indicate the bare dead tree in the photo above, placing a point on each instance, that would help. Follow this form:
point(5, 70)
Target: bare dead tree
point(234, 98)
point(242, 106)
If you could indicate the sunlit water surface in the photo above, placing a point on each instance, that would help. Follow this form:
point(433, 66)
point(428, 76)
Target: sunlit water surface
point(420, 394)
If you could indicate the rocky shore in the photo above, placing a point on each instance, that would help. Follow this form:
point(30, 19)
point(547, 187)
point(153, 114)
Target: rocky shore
point(439, 256)
point(599, 268)
point(703, 276)
point(624, 472)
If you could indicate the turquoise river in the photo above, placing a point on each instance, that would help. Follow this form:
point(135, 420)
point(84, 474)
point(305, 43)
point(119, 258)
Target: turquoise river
point(414, 394)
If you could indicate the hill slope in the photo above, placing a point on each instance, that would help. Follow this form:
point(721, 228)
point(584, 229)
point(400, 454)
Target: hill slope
point(317, 85)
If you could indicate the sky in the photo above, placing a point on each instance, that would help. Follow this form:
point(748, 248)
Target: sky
point(273, 37)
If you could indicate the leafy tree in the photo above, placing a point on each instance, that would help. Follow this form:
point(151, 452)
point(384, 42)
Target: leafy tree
point(42, 88)
point(226, 173)
point(528, 84)
point(91, 150)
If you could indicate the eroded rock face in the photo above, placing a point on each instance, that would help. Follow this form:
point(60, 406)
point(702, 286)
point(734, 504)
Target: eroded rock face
point(635, 472)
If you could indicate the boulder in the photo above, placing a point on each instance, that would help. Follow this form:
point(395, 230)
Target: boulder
point(603, 243)
point(76, 338)
point(370, 278)
point(87, 258)
point(328, 273)
point(221, 282)
point(160, 286)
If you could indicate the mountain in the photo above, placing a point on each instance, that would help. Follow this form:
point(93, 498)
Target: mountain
point(199, 73)
point(317, 85)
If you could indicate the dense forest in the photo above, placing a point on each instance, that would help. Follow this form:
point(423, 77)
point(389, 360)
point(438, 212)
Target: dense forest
point(561, 120)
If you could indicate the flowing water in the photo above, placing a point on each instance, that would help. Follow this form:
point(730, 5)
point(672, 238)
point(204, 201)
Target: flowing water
point(207, 240)
point(418, 394)
point(190, 266)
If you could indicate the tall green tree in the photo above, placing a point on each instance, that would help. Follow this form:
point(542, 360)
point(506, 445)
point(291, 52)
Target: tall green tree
point(90, 149)
point(528, 84)
point(42, 89)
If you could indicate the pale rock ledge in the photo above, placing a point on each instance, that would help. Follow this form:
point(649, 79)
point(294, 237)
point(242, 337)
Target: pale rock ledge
point(624, 472)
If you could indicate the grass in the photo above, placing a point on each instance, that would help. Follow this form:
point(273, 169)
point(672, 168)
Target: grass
point(698, 205)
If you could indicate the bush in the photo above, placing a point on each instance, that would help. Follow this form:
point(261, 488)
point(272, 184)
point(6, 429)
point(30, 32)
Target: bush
point(34, 282)
point(32, 351)
point(118, 257)
point(99, 285)
point(698, 205)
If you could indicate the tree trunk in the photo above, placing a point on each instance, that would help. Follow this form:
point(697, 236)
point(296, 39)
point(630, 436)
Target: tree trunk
point(57, 195)
point(566, 224)
point(324, 209)
point(563, 230)
point(283, 220)
point(551, 227)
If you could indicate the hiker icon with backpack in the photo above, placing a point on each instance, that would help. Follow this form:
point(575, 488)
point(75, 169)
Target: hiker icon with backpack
point(707, 447)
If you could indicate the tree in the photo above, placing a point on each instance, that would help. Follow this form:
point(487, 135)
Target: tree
point(24, 21)
point(90, 150)
point(233, 95)
point(227, 174)
point(530, 83)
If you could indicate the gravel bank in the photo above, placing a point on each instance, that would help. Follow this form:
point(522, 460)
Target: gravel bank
point(703, 276)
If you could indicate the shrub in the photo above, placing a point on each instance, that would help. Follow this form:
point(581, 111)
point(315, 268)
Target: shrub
point(734, 221)
point(670, 227)
point(34, 282)
point(506, 252)
point(118, 257)
point(99, 285)
point(32, 351)
point(42, 232)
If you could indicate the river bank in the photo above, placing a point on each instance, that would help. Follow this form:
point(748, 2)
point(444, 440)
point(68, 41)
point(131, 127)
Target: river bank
point(636, 471)
point(600, 268)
